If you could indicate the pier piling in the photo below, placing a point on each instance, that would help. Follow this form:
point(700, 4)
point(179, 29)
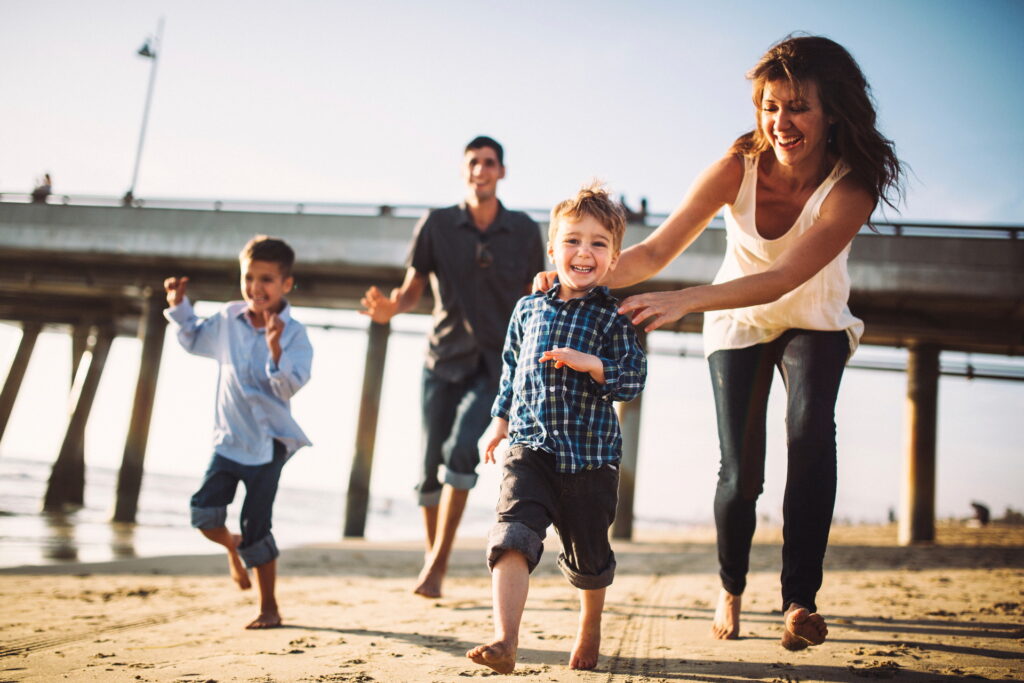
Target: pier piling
point(12, 385)
point(66, 488)
point(152, 327)
point(917, 521)
point(358, 499)
point(629, 423)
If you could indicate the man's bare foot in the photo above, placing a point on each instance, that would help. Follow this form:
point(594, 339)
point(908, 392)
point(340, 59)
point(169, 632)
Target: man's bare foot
point(499, 655)
point(726, 625)
point(239, 573)
point(586, 650)
point(428, 584)
point(803, 628)
point(265, 620)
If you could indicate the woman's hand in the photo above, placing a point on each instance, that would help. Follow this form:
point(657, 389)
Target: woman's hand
point(657, 308)
point(544, 280)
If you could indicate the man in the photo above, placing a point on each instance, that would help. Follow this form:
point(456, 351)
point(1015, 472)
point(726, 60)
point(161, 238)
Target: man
point(479, 258)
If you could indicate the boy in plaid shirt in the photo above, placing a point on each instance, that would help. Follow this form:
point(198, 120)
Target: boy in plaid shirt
point(568, 354)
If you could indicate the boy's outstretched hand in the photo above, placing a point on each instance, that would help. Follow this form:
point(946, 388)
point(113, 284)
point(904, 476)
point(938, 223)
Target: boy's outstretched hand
point(499, 432)
point(577, 360)
point(274, 329)
point(175, 288)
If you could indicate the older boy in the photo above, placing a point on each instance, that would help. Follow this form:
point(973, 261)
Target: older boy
point(564, 441)
point(479, 258)
point(264, 357)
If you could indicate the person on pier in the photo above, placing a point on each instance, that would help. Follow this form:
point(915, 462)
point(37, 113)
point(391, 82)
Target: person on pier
point(479, 258)
point(568, 355)
point(264, 358)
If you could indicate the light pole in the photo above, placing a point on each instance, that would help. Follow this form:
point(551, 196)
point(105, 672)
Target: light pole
point(150, 50)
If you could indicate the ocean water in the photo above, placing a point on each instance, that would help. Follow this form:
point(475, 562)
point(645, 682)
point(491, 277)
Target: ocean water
point(30, 537)
point(978, 457)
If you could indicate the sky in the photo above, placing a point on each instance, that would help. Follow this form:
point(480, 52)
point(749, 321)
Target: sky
point(373, 102)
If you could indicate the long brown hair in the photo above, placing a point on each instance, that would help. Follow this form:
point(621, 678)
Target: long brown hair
point(846, 98)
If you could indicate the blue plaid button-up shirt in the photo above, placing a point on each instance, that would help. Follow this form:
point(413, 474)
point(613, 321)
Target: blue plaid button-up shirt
point(560, 410)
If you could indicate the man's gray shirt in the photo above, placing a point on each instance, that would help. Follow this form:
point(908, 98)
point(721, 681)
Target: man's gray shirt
point(476, 278)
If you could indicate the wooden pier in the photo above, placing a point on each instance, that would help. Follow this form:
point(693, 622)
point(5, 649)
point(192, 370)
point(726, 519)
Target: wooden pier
point(95, 271)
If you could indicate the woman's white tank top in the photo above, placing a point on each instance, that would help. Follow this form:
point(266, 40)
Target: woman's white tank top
point(818, 304)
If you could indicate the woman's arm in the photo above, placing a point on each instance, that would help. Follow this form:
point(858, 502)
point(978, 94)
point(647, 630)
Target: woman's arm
point(715, 187)
point(843, 213)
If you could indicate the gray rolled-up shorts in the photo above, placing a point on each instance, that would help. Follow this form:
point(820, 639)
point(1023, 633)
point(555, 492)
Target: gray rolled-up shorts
point(581, 506)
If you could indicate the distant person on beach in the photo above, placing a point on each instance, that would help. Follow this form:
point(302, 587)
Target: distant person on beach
point(796, 191)
point(264, 358)
point(41, 192)
point(478, 258)
point(567, 356)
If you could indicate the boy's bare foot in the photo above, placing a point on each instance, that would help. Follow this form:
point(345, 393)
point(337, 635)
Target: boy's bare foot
point(239, 573)
point(499, 655)
point(428, 584)
point(265, 620)
point(586, 650)
point(726, 625)
point(803, 628)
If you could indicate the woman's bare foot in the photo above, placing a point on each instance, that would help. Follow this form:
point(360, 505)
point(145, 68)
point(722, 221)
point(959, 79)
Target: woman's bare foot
point(239, 573)
point(265, 620)
point(499, 655)
point(428, 584)
point(726, 625)
point(803, 628)
point(587, 648)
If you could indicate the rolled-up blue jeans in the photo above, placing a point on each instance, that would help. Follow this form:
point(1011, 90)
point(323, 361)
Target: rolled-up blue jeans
point(811, 364)
point(209, 504)
point(455, 416)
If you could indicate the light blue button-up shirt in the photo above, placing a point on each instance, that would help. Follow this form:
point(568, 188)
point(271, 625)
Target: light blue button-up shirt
point(253, 392)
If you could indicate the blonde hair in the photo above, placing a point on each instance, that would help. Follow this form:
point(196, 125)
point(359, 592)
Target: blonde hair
point(592, 200)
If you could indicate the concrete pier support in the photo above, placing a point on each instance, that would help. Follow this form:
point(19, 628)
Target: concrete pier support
point(629, 422)
point(152, 326)
point(358, 499)
point(66, 488)
point(917, 515)
point(12, 385)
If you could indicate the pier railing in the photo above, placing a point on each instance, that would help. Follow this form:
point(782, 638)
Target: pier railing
point(652, 220)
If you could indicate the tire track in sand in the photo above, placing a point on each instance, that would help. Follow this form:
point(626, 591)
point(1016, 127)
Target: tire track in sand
point(641, 641)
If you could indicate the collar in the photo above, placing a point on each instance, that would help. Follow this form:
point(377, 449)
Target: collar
point(599, 292)
point(500, 222)
point(237, 309)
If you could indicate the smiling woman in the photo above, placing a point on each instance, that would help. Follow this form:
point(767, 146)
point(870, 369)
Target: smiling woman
point(796, 190)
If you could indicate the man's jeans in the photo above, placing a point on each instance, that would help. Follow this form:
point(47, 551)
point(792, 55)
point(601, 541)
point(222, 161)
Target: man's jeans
point(455, 416)
point(811, 364)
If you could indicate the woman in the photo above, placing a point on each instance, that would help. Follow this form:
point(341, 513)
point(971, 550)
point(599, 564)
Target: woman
point(796, 190)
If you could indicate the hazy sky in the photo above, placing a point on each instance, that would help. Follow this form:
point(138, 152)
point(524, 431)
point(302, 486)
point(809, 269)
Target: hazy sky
point(373, 101)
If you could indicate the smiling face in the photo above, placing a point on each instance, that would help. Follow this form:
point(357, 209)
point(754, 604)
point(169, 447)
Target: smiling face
point(481, 171)
point(794, 122)
point(263, 288)
point(583, 252)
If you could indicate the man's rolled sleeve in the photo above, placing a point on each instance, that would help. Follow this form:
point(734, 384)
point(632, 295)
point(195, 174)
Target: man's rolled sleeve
point(626, 373)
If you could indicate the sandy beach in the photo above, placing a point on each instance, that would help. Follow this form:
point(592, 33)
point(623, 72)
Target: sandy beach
point(949, 611)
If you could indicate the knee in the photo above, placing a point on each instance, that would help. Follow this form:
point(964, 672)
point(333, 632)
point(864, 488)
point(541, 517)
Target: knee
point(517, 537)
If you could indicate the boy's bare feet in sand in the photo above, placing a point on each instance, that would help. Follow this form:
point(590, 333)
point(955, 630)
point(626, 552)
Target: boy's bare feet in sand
point(726, 625)
point(499, 655)
point(265, 620)
point(587, 648)
point(803, 628)
point(239, 573)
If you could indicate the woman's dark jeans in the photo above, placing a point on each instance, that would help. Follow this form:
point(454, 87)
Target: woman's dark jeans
point(811, 364)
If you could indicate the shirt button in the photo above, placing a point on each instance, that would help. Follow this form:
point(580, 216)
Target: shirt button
point(551, 389)
point(555, 432)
